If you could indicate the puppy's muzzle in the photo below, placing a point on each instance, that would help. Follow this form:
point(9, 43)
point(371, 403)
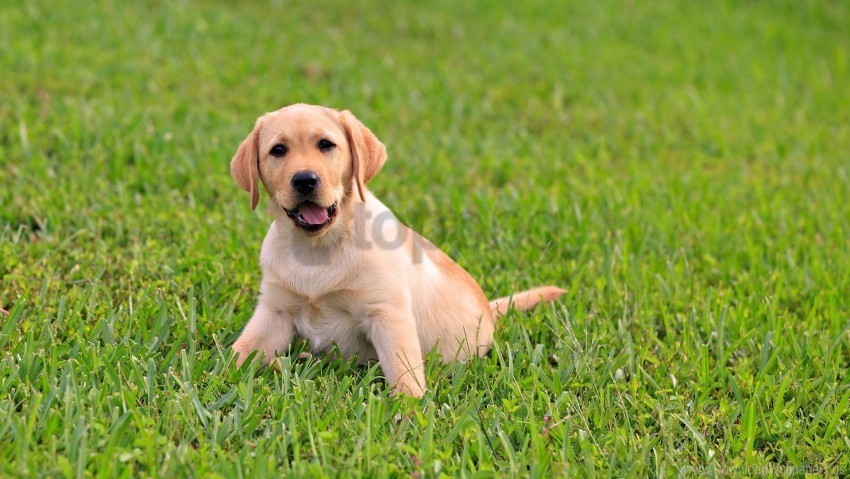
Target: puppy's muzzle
point(305, 182)
point(309, 214)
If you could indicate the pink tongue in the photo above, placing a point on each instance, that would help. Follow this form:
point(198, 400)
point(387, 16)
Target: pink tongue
point(312, 214)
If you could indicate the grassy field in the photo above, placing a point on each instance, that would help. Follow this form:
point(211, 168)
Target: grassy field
point(681, 168)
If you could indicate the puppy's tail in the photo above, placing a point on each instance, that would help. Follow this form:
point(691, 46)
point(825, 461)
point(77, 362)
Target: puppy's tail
point(526, 299)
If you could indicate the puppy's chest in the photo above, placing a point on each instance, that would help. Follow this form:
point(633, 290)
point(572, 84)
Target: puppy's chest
point(310, 276)
point(334, 318)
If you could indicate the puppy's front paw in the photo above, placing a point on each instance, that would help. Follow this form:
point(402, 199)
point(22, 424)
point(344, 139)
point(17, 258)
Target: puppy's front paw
point(409, 387)
point(241, 355)
point(243, 347)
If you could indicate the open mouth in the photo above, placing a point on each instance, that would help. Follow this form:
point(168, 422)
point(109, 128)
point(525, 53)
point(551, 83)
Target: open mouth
point(312, 217)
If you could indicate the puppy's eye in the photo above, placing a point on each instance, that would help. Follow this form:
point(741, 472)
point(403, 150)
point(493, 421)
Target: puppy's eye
point(325, 145)
point(278, 150)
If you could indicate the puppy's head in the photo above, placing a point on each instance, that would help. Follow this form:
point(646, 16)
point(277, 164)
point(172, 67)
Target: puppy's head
point(312, 160)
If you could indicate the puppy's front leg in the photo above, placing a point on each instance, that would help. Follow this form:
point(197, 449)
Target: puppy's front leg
point(393, 334)
point(268, 331)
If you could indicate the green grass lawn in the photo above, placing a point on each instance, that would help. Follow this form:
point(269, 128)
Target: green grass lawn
point(680, 168)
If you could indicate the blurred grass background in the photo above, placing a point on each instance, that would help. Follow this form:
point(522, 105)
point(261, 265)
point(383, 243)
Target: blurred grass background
point(680, 168)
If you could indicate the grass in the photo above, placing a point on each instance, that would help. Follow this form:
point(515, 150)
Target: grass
point(681, 169)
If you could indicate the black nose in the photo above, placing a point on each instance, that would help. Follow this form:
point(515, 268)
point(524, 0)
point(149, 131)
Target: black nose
point(305, 182)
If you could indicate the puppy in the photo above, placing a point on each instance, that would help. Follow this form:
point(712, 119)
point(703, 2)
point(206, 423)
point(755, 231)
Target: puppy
point(340, 269)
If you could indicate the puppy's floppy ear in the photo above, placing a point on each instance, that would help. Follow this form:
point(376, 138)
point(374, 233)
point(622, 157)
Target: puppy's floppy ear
point(245, 165)
point(368, 154)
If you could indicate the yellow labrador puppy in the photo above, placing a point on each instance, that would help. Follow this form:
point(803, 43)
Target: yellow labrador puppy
point(340, 269)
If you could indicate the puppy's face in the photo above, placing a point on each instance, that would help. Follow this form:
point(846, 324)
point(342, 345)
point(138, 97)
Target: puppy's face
point(309, 159)
point(304, 163)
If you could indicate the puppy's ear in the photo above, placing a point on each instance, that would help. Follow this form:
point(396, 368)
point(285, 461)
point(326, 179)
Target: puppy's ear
point(368, 154)
point(245, 165)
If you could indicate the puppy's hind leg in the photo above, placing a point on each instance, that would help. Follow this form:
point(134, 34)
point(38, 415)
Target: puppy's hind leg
point(267, 332)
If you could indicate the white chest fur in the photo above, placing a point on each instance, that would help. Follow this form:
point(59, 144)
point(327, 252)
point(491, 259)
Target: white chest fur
point(316, 289)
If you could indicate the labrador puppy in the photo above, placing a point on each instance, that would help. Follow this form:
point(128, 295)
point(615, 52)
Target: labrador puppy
point(339, 269)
